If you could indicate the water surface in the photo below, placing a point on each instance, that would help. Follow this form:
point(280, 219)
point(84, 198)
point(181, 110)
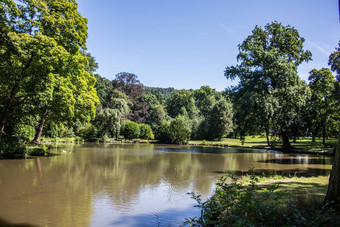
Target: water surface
point(129, 185)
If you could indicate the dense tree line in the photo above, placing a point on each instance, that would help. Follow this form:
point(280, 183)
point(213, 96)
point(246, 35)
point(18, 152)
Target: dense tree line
point(49, 87)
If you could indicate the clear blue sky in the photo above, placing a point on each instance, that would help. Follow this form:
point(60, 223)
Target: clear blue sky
point(188, 43)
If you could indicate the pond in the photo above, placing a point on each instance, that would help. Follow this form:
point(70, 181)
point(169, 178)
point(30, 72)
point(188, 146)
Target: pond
point(129, 185)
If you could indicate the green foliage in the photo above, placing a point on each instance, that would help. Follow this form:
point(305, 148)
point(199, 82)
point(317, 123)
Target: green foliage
point(179, 132)
point(13, 147)
point(161, 93)
point(179, 101)
point(324, 108)
point(334, 62)
point(221, 122)
point(146, 132)
point(164, 132)
point(130, 130)
point(42, 70)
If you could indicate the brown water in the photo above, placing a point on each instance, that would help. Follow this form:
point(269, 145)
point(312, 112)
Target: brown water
point(128, 185)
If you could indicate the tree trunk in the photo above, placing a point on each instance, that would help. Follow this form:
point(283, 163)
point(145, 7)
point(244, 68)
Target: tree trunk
point(267, 135)
point(333, 192)
point(36, 139)
point(324, 135)
point(286, 144)
point(11, 99)
point(8, 108)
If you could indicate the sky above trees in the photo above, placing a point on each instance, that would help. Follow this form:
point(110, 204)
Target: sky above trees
point(187, 44)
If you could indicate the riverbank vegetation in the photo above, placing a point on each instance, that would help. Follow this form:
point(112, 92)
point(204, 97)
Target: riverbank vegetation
point(266, 201)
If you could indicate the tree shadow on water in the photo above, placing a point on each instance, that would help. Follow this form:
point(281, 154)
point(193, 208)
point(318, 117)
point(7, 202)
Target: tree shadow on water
point(310, 172)
point(4, 223)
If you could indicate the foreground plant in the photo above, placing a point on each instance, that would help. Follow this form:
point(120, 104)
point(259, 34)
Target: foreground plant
point(245, 202)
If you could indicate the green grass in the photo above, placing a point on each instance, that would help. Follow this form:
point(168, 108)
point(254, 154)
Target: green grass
point(301, 145)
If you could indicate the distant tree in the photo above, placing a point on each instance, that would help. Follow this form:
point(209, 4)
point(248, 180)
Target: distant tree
point(133, 88)
point(221, 119)
point(205, 99)
point(181, 99)
point(179, 132)
point(323, 101)
point(161, 93)
point(269, 59)
point(111, 114)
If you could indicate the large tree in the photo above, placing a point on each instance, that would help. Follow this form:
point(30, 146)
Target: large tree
point(333, 192)
point(40, 48)
point(269, 58)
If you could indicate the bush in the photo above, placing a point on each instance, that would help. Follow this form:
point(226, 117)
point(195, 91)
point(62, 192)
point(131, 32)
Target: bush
point(146, 132)
point(164, 132)
point(13, 146)
point(179, 133)
point(130, 130)
point(242, 203)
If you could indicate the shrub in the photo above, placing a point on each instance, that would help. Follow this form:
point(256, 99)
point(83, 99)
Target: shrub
point(242, 203)
point(146, 132)
point(13, 146)
point(130, 130)
point(164, 132)
point(178, 131)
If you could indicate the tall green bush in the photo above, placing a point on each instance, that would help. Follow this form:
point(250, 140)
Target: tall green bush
point(130, 130)
point(146, 132)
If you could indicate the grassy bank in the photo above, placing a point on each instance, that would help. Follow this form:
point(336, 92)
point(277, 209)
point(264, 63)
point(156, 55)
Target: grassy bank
point(304, 145)
point(266, 201)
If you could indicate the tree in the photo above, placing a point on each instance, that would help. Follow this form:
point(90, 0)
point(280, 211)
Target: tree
point(221, 119)
point(181, 99)
point(205, 99)
point(111, 114)
point(269, 59)
point(333, 192)
point(133, 88)
point(179, 132)
point(322, 84)
point(70, 95)
point(41, 40)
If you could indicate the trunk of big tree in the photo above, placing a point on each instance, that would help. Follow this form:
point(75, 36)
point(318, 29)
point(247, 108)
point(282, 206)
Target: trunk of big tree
point(8, 108)
point(313, 136)
point(267, 135)
point(286, 143)
point(11, 99)
point(37, 136)
point(333, 192)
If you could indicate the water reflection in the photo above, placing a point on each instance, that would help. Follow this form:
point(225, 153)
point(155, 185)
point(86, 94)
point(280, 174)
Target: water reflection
point(105, 185)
